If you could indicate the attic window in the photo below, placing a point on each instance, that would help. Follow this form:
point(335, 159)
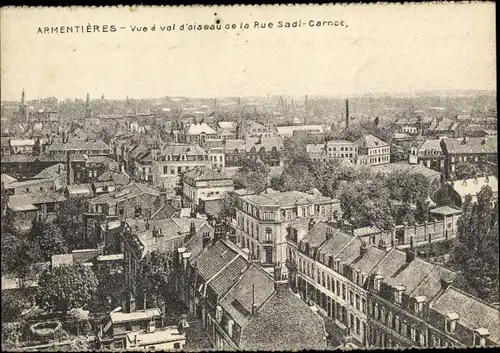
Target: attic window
point(450, 322)
point(480, 337)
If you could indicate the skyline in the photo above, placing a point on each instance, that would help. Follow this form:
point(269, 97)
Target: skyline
point(422, 48)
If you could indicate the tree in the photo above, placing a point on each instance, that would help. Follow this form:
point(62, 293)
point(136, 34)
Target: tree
point(69, 219)
point(470, 170)
point(50, 241)
point(477, 251)
point(18, 256)
point(252, 176)
point(14, 304)
point(66, 287)
point(156, 275)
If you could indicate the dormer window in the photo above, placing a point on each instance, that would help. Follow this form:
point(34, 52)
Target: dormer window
point(218, 314)
point(480, 336)
point(398, 294)
point(377, 282)
point(419, 304)
point(450, 322)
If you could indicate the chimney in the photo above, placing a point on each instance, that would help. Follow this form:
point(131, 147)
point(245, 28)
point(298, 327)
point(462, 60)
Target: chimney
point(185, 259)
point(192, 229)
point(445, 283)
point(483, 140)
point(180, 251)
point(68, 168)
point(147, 225)
point(254, 305)
point(347, 114)
point(464, 140)
point(363, 248)
point(205, 240)
point(311, 224)
point(410, 253)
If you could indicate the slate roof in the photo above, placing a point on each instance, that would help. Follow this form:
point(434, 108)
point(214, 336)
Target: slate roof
point(473, 186)
point(228, 276)
point(182, 148)
point(472, 312)
point(52, 172)
point(430, 145)
point(284, 323)
point(370, 141)
point(317, 235)
point(204, 173)
point(336, 244)
point(254, 285)
point(214, 259)
point(78, 145)
point(287, 199)
point(199, 128)
point(472, 145)
point(127, 192)
point(360, 232)
point(7, 179)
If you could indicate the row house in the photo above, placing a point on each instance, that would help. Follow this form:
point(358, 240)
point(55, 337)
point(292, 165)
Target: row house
point(217, 157)
point(262, 220)
point(90, 148)
point(333, 150)
point(480, 151)
point(401, 288)
point(374, 150)
point(11, 145)
point(384, 297)
point(173, 160)
point(331, 268)
point(204, 184)
point(243, 307)
point(253, 129)
point(139, 237)
point(133, 200)
point(266, 149)
point(428, 154)
point(40, 205)
point(143, 167)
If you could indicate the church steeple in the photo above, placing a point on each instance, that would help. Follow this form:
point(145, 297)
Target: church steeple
point(88, 110)
point(23, 109)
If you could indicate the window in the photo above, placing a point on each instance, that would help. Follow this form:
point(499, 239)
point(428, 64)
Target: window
point(357, 301)
point(343, 291)
point(177, 345)
point(351, 297)
point(363, 305)
point(165, 169)
point(450, 325)
point(479, 341)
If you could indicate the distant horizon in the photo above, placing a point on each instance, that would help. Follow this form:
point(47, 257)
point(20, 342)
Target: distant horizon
point(414, 94)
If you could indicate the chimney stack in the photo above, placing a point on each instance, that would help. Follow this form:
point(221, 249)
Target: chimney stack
point(347, 114)
point(363, 249)
point(311, 224)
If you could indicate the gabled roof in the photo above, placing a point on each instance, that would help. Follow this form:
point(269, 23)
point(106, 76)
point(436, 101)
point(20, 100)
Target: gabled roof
point(127, 192)
point(472, 312)
point(199, 128)
point(204, 173)
point(472, 145)
point(52, 172)
point(227, 125)
point(287, 199)
point(78, 145)
point(473, 186)
point(214, 259)
point(224, 280)
point(254, 286)
point(370, 141)
point(7, 179)
point(182, 148)
point(285, 323)
point(317, 235)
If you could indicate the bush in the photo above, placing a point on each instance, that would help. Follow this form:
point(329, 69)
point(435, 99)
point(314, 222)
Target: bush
point(46, 330)
point(11, 334)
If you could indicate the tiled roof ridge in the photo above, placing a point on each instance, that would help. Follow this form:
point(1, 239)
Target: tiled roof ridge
point(451, 287)
point(222, 269)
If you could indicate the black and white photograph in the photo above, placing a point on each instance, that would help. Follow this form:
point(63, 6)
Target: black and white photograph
point(249, 178)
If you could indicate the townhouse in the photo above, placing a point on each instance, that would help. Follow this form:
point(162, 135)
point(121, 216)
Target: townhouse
point(372, 150)
point(382, 296)
point(475, 150)
point(333, 150)
point(175, 159)
point(140, 237)
point(243, 306)
point(262, 220)
point(429, 154)
point(199, 133)
point(203, 184)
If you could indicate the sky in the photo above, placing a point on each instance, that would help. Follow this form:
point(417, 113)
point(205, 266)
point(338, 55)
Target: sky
point(383, 49)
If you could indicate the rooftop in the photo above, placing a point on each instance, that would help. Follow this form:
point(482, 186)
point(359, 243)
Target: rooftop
point(140, 315)
point(370, 141)
point(473, 186)
point(127, 192)
point(472, 145)
point(204, 173)
point(199, 128)
point(472, 312)
point(287, 199)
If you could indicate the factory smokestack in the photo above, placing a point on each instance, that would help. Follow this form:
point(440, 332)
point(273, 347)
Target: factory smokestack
point(347, 114)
